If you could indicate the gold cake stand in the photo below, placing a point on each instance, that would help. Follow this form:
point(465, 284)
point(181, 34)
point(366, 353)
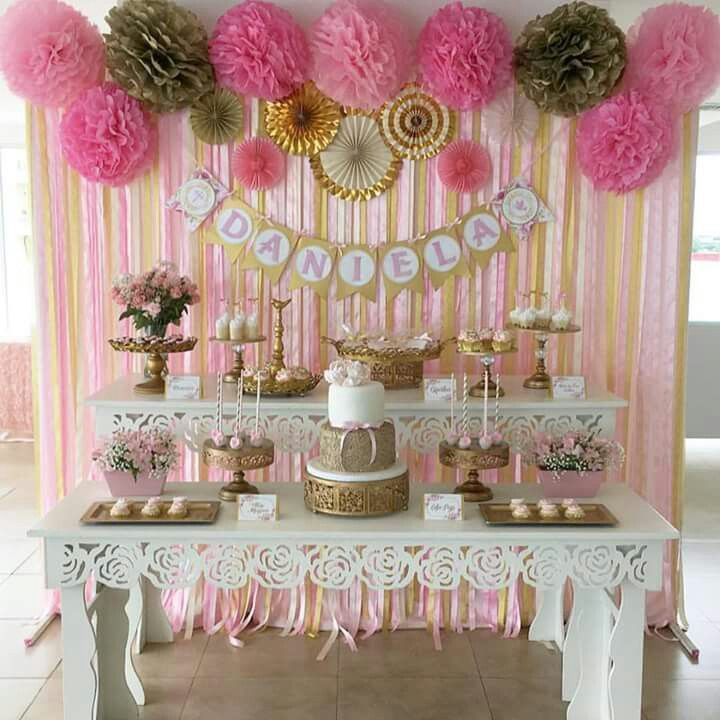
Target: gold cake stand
point(238, 462)
point(540, 379)
point(474, 459)
point(238, 348)
point(486, 353)
point(155, 361)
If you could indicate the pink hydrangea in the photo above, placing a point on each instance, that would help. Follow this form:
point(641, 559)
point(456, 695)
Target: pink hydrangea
point(674, 55)
point(625, 142)
point(107, 136)
point(49, 52)
point(258, 49)
point(465, 56)
point(361, 53)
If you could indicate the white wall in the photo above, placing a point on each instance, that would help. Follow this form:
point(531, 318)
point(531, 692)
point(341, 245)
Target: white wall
point(703, 382)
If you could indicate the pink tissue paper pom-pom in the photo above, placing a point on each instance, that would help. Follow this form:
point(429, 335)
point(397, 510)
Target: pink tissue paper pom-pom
point(625, 142)
point(465, 56)
point(107, 136)
point(49, 52)
point(464, 166)
point(258, 49)
point(361, 54)
point(674, 55)
point(258, 164)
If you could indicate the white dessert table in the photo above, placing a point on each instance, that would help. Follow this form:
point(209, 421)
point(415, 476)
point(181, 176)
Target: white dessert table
point(610, 570)
point(294, 423)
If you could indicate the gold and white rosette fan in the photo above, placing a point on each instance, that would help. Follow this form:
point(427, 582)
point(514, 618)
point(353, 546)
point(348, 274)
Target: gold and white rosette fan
point(357, 164)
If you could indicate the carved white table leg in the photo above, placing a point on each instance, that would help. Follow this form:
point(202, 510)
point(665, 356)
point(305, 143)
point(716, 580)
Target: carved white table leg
point(79, 673)
point(590, 700)
point(571, 652)
point(115, 700)
point(133, 609)
point(154, 624)
point(549, 622)
point(626, 655)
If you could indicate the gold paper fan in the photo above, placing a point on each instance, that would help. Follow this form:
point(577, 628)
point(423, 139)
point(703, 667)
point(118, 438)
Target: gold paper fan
point(357, 165)
point(217, 117)
point(304, 123)
point(415, 125)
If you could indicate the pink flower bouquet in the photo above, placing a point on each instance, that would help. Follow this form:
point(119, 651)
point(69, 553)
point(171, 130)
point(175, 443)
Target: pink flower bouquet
point(155, 299)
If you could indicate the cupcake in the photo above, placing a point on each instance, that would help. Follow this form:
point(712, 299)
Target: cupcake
point(121, 509)
point(574, 512)
point(152, 508)
point(521, 512)
point(178, 508)
point(502, 341)
point(549, 512)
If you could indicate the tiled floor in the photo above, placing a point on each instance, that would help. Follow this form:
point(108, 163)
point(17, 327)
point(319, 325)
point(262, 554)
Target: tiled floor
point(396, 676)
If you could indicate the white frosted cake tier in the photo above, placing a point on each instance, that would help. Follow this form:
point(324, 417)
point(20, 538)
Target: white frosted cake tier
point(359, 405)
point(315, 467)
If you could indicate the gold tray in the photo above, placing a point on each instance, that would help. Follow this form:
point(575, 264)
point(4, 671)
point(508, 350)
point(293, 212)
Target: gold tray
point(158, 347)
point(273, 388)
point(501, 514)
point(484, 347)
point(199, 512)
point(545, 329)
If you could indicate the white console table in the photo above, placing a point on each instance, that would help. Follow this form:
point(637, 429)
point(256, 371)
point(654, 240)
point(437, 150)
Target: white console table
point(610, 570)
point(294, 423)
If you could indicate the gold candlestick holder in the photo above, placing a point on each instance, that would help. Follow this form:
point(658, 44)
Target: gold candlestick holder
point(238, 462)
point(238, 347)
point(541, 379)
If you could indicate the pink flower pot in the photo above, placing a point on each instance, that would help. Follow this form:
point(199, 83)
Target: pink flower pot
point(122, 484)
point(570, 483)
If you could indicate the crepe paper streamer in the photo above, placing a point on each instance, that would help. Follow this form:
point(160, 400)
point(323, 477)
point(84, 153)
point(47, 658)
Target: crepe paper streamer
point(49, 52)
point(258, 164)
point(464, 166)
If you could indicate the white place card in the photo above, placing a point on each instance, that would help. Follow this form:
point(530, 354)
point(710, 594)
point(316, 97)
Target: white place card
point(443, 506)
point(438, 389)
point(568, 387)
point(257, 507)
point(183, 387)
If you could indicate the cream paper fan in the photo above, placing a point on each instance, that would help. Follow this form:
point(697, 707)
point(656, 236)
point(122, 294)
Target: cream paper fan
point(357, 164)
point(512, 118)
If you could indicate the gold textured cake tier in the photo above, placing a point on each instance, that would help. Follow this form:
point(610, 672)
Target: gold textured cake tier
point(357, 498)
point(352, 450)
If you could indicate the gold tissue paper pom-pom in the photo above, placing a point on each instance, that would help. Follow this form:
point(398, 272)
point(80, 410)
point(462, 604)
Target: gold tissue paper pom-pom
point(158, 52)
point(303, 123)
point(217, 118)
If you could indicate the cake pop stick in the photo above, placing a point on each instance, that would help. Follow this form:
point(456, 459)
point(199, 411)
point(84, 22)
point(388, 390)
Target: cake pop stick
point(485, 401)
point(218, 413)
point(465, 405)
point(236, 440)
point(452, 402)
point(497, 402)
point(257, 406)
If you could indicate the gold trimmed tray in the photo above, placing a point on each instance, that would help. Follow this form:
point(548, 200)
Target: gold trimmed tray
point(500, 514)
point(545, 329)
point(161, 346)
point(199, 512)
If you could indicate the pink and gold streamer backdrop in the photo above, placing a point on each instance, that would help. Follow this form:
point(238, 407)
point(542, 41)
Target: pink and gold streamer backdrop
point(623, 262)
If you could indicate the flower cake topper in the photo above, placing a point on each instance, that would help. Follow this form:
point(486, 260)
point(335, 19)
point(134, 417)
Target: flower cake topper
point(348, 373)
point(520, 207)
point(197, 197)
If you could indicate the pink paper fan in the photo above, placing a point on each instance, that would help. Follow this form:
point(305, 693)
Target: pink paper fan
point(625, 142)
point(258, 49)
point(107, 136)
point(464, 166)
point(49, 52)
point(674, 55)
point(361, 54)
point(465, 56)
point(258, 164)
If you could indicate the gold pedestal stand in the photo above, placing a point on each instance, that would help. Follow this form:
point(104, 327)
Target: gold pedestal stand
point(238, 347)
point(474, 459)
point(238, 462)
point(487, 357)
point(540, 379)
point(155, 361)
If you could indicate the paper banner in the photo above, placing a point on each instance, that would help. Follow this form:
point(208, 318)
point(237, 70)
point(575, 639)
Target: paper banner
point(482, 233)
point(233, 227)
point(357, 272)
point(312, 265)
point(271, 249)
point(443, 256)
point(521, 207)
point(401, 266)
point(197, 197)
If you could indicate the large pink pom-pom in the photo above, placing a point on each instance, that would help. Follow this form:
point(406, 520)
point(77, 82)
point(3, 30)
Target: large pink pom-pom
point(258, 49)
point(674, 55)
point(465, 56)
point(361, 54)
point(625, 142)
point(258, 164)
point(464, 166)
point(107, 136)
point(49, 52)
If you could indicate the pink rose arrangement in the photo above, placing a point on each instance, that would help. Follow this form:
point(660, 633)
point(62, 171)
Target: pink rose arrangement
point(156, 298)
point(580, 451)
point(138, 452)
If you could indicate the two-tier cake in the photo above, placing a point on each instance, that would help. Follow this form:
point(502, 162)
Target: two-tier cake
point(357, 471)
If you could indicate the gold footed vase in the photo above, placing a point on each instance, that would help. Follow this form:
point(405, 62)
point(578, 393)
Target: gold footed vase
point(238, 462)
point(474, 459)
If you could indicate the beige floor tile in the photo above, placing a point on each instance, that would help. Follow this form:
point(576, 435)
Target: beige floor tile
point(13, 553)
point(530, 698)
point(409, 653)
point(23, 597)
point(17, 661)
point(666, 659)
point(411, 699)
point(702, 592)
point(180, 659)
point(499, 657)
point(280, 698)
point(266, 654)
point(701, 558)
point(682, 700)
point(16, 696)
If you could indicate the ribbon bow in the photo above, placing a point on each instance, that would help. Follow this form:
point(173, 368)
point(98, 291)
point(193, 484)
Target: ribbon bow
point(349, 427)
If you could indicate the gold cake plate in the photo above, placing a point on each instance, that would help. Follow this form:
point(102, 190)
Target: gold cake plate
point(474, 459)
point(238, 462)
point(595, 515)
point(357, 498)
point(199, 512)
